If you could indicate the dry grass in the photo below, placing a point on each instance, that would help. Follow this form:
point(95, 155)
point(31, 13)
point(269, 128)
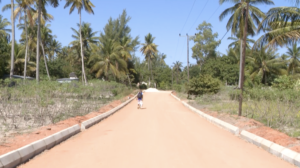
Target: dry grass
point(32, 105)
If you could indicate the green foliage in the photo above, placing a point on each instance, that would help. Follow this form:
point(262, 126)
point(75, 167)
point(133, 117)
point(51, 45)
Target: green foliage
point(283, 82)
point(202, 85)
point(205, 43)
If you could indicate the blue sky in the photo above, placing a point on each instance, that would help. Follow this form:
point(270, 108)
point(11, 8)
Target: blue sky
point(164, 19)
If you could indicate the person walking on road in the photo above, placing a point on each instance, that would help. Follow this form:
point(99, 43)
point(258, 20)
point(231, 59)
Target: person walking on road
point(140, 99)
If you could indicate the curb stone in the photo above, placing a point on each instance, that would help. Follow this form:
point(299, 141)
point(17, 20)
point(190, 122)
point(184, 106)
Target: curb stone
point(289, 155)
point(276, 149)
point(26, 152)
point(11, 159)
point(284, 153)
point(88, 123)
point(23, 154)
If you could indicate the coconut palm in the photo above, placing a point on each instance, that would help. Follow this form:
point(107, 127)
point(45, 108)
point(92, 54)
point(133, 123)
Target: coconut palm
point(88, 6)
point(294, 54)
point(55, 47)
point(149, 49)
point(236, 22)
point(41, 7)
point(126, 47)
point(23, 6)
point(106, 59)
point(265, 62)
point(282, 26)
point(12, 6)
point(177, 67)
point(88, 37)
point(46, 38)
point(3, 24)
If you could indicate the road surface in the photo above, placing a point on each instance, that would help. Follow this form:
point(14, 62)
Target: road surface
point(164, 134)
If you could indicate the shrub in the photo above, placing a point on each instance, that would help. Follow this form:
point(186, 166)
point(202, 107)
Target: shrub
point(202, 85)
point(177, 88)
point(283, 82)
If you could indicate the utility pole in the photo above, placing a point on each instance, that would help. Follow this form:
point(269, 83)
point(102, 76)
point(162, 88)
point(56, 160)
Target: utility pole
point(172, 76)
point(188, 54)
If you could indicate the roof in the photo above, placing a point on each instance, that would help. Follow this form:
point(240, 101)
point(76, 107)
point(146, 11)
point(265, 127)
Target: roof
point(72, 74)
point(18, 77)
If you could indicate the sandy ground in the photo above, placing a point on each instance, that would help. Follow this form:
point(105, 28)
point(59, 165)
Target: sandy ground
point(164, 134)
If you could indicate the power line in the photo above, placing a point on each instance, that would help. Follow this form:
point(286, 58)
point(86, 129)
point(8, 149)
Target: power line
point(224, 35)
point(214, 13)
point(199, 15)
point(188, 16)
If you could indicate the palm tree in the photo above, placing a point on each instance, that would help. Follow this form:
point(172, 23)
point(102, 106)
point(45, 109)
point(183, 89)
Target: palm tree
point(80, 4)
point(177, 67)
point(106, 59)
point(13, 37)
point(55, 47)
point(46, 38)
point(282, 24)
point(294, 55)
point(23, 6)
point(265, 62)
point(126, 47)
point(245, 16)
point(237, 20)
point(41, 7)
point(149, 49)
point(87, 37)
point(3, 24)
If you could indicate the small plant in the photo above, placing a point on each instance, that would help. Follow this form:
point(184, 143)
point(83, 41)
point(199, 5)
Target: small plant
point(283, 82)
point(202, 85)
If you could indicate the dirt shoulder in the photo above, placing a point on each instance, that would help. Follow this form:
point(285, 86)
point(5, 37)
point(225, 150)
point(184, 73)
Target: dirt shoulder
point(15, 141)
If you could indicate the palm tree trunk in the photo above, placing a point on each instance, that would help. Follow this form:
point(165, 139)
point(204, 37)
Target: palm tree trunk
point(243, 60)
point(151, 72)
point(241, 57)
point(82, 60)
point(38, 42)
point(12, 59)
point(149, 68)
point(129, 81)
point(26, 50)
point(45, 60)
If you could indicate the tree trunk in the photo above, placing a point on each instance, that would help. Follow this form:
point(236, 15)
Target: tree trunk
point(12, 59)
point(241, 56)
point(45, 60)
point(26, 50)
point(149, 69)
point(243, 60)
point(82, 60)
point(38, 42)
point(129, 81)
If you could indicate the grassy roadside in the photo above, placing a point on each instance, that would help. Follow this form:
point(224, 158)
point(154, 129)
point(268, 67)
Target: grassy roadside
point(27, 106)
point(276, 109)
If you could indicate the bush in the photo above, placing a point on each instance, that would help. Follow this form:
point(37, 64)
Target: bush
point(283, 82)
point(202, 85)
point(177, 88)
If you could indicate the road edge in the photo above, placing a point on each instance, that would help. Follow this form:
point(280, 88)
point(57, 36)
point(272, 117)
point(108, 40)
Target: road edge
point(285, 154)
point(25, 153)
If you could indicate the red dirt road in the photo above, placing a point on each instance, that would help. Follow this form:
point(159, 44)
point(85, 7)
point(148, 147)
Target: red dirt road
point(164, 134)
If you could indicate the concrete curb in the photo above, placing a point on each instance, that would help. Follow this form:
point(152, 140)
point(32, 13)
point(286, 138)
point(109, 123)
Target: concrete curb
point(233, 129)
point(273, 148)
point(23, 154)
point(88, 123)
